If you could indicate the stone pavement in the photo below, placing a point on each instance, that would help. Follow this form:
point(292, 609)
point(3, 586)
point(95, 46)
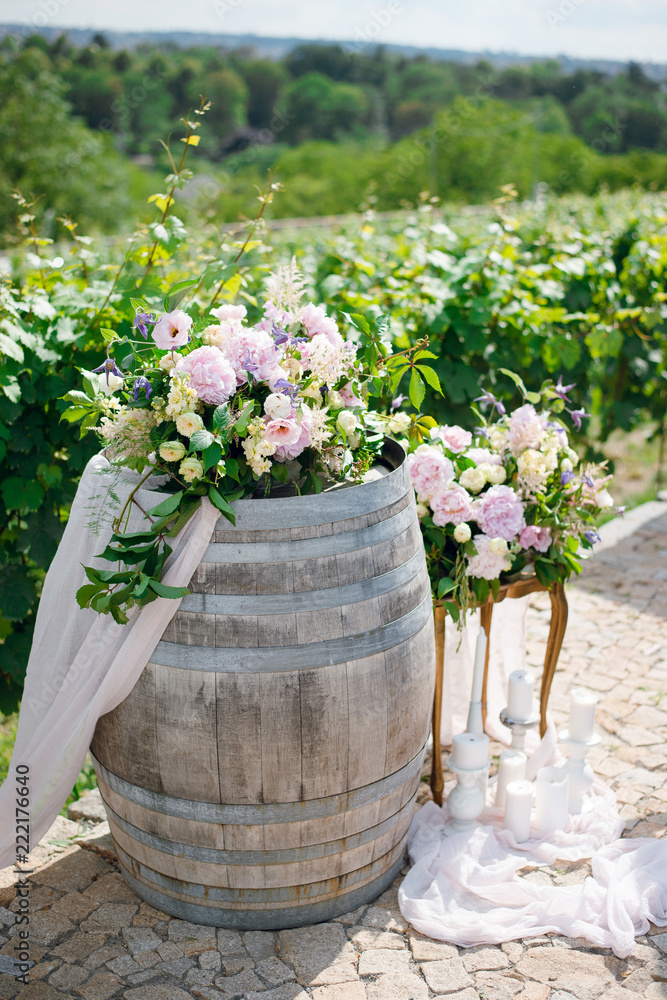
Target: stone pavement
point(93, 939)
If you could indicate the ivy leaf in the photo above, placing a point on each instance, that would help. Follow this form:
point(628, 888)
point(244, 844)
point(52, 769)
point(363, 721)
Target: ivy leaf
point(20, 494)
point(163, 591)
point(430, 377)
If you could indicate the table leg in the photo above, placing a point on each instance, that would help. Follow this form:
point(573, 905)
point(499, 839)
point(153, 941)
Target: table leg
point(556, 635)
point(437, 777)
point(485, 613)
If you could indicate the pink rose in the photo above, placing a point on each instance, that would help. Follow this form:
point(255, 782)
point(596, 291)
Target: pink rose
point(454, 437)
point(282, 432)
point(211, 375)
point(228, 313)
point(172, 330)
point(285, 451)
point(315, 321)
point(485, 564)
point(430, 470)
point(536, 538)
point(500, 513)
point(526, 429)
point(452, 505)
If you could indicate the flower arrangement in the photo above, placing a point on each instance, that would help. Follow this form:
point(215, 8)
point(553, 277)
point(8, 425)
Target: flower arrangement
point(510, 493)
point(226, 410)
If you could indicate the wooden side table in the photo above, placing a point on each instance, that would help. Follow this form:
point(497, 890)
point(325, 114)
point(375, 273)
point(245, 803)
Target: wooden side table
point(519, 588)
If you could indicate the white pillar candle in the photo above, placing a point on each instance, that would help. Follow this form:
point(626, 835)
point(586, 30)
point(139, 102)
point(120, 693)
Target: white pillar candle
point(582, 715)
point(480, 660)
point(520, 695)
point(511, 767)
point(551, 799)
point(470, 751)
point(518, 803)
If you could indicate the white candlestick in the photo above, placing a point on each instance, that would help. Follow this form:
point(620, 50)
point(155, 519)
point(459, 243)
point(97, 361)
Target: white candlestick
point(478, 672)
point(551, 799)
point(518, 803)
point(582, 715)
point(470, 751)
point(511, 767)
point(520, 695)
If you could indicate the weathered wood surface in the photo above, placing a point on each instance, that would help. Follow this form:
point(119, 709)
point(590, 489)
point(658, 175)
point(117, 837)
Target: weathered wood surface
point(262, 771)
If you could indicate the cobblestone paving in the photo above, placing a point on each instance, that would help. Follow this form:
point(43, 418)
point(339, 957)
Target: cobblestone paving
point(93, 939)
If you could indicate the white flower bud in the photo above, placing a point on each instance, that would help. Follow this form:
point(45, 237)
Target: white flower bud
point(335, 400)
point(472, 479)
point(498, 546)
point(347, 421)
point(422, 510)
point(496, 475)
point(566, 465)
point(462, 532)
point(603, 498)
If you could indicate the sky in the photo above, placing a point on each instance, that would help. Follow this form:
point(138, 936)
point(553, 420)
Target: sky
point(611, 29)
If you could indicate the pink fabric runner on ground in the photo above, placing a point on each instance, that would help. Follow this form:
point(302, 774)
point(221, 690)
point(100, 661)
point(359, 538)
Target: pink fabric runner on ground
point(83, 664)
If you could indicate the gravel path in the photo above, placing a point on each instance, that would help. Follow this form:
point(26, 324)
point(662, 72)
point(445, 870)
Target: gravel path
point(92, 938)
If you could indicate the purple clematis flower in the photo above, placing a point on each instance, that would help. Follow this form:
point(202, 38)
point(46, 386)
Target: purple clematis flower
point(279, 335)
point(282, 385)
point(561, 390)
point(395, 403)
point(141, 382)
point(578, 416)
point(566, 477)
point(488, 398)
point(620, 511)
point(249, 365)
point(589, 482)
point(141, 321)
point(109, 367)
point(592, 537)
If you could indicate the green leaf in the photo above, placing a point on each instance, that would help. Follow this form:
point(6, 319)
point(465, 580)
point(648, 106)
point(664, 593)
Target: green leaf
point(360, 322)
point(76, 396)
point(241, 425)
point(178, 292)
point(19, 494)
point(211, 456)
point(416, 390)
point(430, 377)
point(232, 468)
point(163, 591)
point(118, 615)
point(279, 472)
point(139, 305)
point(10, 348)
point(445, 586)
point(219, 501)
point(221, 417)
point(168, 506)
point(201, 440)
point(109, 335)
point(85, 593)
point(519, 383)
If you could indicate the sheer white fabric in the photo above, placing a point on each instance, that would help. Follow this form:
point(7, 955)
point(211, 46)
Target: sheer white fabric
point(465, 889)
point(83, 664)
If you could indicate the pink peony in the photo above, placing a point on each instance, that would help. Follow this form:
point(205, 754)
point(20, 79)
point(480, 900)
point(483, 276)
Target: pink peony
point(315, 320)
point(211, 375)
point(452, 505)
point(430, 470)
point(282, 432)
point(526, 429)
point(252, 351)
point(485, 564)
point(285, 451)
point(229, 313)
point(172, 330)
point(536, 538)
point(500, 513)
point(454, 437)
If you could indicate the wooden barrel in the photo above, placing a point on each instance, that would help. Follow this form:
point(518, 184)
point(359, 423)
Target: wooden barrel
point(262, 772)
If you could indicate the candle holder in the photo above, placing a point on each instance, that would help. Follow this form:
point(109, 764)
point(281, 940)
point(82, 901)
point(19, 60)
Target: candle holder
point(466, 800)
point(579, 771)
point(519, 728)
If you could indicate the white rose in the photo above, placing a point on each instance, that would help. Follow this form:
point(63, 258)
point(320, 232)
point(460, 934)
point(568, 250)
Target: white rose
point(188, 423)
point(167, 362)
point(172, 451)
point(191, 469)
point(277, 406)
point(473, 480)
point(496, 475)
point(347, 421)
point(462, 532)
point(498, 546)
point(335, 400)
point(566, 465)
point(603, 498)
point(399, 423)
point(115, 383)
point(354, 439)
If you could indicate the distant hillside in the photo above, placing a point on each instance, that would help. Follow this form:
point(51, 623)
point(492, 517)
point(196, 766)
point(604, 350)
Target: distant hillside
point(277, 48)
